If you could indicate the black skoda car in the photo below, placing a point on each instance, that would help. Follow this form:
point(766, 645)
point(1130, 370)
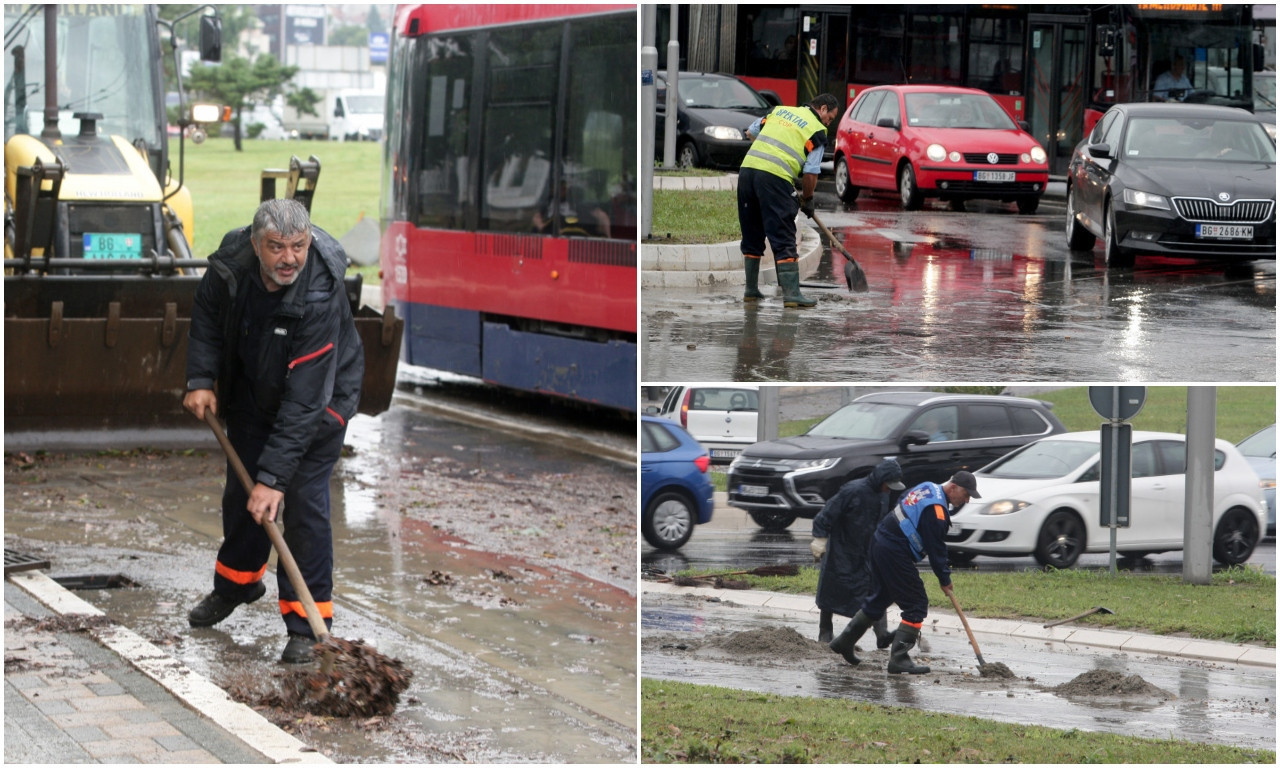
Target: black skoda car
point(931, 435)
point(1189, 180)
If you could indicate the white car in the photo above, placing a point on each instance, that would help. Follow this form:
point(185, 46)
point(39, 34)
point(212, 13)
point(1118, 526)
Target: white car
point(722, 417)
point(1043, 500)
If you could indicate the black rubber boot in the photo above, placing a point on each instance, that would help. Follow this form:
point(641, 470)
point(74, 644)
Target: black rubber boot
point(903, 641)
point(825, 629)
point(751, 265)
point(884, 638)
point(789, 280)
point(843, 644)
point(298, 649)
point(214, 608)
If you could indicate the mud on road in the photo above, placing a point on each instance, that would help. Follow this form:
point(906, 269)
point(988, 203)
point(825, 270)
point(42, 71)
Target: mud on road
point(502, 572)
point(712, 642)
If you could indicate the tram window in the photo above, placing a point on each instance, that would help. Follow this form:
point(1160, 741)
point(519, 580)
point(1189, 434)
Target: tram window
point(877, 55)
point(440, 184)
point(523, 69)
point(995, 55)
point(768, 41)
point(933, 51)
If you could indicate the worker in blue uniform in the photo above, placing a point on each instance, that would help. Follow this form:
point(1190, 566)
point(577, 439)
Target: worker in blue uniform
point(917, 527)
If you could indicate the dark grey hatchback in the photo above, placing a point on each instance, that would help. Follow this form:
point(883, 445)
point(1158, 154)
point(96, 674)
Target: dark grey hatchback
point(715, 111)
point(931, 435)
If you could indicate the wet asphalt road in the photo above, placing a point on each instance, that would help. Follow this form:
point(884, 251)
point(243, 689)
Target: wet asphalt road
point(984, 295)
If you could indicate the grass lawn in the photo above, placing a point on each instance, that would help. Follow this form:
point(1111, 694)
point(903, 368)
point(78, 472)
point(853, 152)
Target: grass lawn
point(684, 723)
point(695, 217)
point(225, 184)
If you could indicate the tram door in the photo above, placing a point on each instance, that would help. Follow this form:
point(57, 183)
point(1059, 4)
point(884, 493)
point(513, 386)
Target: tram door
point(1056, 85)
point(823, 61)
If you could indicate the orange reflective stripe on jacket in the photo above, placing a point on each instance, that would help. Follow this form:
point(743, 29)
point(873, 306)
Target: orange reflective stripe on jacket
point(239, 577)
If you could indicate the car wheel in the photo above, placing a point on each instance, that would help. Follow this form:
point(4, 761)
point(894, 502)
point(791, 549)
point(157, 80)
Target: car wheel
point(773, 522)
point(1235, 537)
point(1061, 540)
point(908, 189)
point(1028, 205)
point(668, 522)
point(844, 188)
point(960, 558)
point(687, 155)
point(1078, 238)
point(1116, 256)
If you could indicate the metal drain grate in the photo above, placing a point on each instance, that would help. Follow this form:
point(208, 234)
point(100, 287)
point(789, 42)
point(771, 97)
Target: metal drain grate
point(15, 561)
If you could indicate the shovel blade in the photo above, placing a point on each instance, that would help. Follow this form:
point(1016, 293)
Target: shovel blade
point(855, 278)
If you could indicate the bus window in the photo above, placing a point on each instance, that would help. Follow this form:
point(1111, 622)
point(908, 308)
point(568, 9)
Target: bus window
point(768, 41)
point(933, 50)
point(441, 182)
point(877, 41)
point(995, 55)
point(519, 119)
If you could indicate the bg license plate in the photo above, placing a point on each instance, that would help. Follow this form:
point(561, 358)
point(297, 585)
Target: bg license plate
point(995, 175)
point(112, 245)
point(1224, 231)
point(724, 453)
point(753, 490)
point(954, 530)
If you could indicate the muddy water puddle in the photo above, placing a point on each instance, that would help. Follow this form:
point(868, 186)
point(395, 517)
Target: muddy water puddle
point(718, 643)
point(496, 569)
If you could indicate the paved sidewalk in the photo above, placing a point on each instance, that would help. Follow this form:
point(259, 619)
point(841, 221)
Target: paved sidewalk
point(103, 694)
point(1119, 640)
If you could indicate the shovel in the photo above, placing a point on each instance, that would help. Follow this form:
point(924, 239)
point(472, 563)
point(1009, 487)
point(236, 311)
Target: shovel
point(853, 274)
point(967, 631)
point(1090, 612)
point(277, 540)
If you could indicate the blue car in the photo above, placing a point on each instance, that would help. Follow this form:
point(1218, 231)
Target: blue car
point(1260, 449)
point(675, 492)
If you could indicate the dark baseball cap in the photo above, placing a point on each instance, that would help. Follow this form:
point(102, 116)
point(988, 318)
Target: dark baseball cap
point(967, 481)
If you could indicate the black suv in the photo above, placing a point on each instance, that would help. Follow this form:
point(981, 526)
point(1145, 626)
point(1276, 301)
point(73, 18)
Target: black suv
point(931, 435)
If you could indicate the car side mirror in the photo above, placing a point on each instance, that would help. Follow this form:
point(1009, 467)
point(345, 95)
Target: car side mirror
point(913, 437)
point(652, 410)
point(1100, 150)
point(887, 122)
point(1025, 126)
point(773, 98)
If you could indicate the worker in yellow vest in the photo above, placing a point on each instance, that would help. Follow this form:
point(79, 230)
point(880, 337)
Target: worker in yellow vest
point(787, 149)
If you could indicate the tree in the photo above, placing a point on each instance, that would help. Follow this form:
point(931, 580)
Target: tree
point(375, 22)
point(350, 35)
point(304, 100)
point(239, 83)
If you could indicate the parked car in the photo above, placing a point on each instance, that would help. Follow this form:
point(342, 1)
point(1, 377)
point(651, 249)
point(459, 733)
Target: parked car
point(1177, 179)
point(956, 144)
point(675, 492)
point(723, 418)
point(1260, 449)
point(931, 435)
point(1043, 500)
point(714, 112)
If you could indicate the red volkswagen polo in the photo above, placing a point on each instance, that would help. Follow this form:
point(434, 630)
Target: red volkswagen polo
point(956, 144)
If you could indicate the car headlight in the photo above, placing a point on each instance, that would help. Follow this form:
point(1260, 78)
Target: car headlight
point(1005, 507)
point(1146, 200)
point(1038, 156)
point(723, 132)
point(1271, 130)
point(801, 466)
point(936, 152)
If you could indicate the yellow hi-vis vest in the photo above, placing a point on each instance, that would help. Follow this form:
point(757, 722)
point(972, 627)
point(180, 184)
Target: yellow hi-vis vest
point(784, 142)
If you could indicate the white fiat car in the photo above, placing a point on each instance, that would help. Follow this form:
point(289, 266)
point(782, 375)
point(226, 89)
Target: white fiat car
point(1043, 500)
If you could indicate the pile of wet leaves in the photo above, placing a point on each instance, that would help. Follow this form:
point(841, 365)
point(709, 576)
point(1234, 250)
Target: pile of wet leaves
point(1105, 682)
point(360, 683)
point(68, 622)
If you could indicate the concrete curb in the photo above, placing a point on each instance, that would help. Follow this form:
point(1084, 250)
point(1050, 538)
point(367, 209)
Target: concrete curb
point(1120, 640)
point(720, 264)
point(196, 692)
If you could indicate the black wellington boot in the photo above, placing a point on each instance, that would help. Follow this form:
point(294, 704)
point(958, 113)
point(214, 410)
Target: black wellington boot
point(899, 662)
point(853, 631)
point(751, 265)
point(884, 638)
point(825, 629)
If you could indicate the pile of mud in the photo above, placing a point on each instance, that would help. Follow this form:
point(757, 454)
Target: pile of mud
point(1103, 682)
point(771, 642)
point(361, 683)
point(995, 669)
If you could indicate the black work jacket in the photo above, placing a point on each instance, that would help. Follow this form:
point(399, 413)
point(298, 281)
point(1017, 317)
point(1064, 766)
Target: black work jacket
point(311, 361)
point(848, 522)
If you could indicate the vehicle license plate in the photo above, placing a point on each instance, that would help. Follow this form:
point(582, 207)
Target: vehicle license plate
point(753, 490)
point(995, 176)
point(724, 453)
point(1224, 231)
point(112, 245)
point(955, 530)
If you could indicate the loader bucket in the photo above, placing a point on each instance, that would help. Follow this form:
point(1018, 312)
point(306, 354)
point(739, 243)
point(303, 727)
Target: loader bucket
point(91, 354)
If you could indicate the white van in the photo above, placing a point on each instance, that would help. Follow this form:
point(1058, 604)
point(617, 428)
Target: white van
point(357, 115)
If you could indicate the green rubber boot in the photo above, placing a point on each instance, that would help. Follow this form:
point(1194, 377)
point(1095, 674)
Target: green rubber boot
point(853, 631)
point(789, 280)
point(899, 662)
point(751, 265)
point(884, 638)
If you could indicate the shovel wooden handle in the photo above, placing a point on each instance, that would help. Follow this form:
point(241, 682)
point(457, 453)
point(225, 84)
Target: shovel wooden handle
point(967, 631)
point(273, 532)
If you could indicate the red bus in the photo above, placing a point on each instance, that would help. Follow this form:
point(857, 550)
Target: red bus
point(1057, 67)
point(509, 204)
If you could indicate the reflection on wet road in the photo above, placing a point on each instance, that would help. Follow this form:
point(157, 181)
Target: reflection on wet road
point(973, 297)
point(1212, 703)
